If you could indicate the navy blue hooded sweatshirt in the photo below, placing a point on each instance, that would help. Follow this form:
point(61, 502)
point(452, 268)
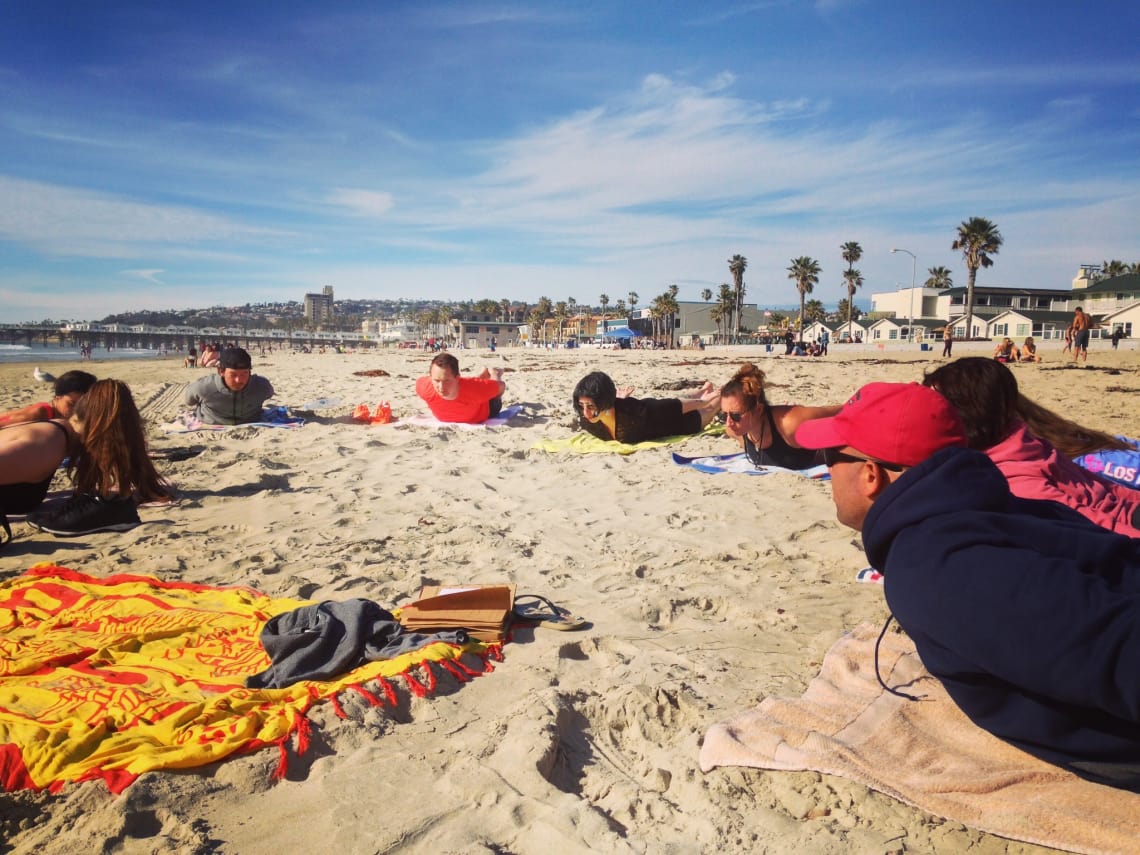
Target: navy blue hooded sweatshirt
point(1027, 613)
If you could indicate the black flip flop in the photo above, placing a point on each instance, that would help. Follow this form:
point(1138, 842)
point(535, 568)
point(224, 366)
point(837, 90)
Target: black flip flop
point(541, 611)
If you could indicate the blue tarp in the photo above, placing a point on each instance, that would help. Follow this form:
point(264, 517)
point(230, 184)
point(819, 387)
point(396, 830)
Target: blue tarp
point(619, 332)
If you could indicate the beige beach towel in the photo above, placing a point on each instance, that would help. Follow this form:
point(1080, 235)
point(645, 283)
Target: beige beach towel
point(925, 753)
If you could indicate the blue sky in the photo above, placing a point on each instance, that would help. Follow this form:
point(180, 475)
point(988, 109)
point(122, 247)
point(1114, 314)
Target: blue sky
point(170, 154)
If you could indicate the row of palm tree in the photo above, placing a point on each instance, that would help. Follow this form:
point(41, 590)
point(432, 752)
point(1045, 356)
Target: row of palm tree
point(1116, 267)
point(978, 239)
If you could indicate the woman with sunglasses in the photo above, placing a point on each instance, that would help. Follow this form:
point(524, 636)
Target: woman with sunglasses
point(608, 414)
point(767, 432)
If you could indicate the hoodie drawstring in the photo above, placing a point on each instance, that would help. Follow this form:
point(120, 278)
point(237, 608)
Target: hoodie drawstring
point(878, 676)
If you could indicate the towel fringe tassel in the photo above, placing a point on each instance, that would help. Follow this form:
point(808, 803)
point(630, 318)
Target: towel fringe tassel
point(415, 686)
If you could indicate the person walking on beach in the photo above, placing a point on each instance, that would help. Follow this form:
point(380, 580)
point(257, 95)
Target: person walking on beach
point(947, 341)
point(468, 400)
point(1025, 611)
point(233, 396)
point(1080, 333)
point(1117, 335)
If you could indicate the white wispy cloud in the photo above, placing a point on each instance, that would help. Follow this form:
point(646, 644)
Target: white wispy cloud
point(146, 275)
point(70, 221)
point(365, 203)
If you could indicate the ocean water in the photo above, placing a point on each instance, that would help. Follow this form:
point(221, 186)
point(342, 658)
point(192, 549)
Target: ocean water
point(37, 353)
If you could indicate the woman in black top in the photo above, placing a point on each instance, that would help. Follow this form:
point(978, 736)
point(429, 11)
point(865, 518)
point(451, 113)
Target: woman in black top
point(606, 414)
point(767, 433)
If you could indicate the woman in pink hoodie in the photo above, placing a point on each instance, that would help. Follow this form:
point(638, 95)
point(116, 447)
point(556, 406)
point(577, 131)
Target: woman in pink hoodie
point(1032, 446)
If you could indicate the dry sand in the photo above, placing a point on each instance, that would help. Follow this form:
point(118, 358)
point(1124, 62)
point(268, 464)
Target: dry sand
point(705, 593)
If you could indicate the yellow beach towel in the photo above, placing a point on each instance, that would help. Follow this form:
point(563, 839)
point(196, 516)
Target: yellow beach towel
point(107, 678)
point(584, 443)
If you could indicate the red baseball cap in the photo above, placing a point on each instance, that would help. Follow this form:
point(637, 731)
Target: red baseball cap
point(900, 423)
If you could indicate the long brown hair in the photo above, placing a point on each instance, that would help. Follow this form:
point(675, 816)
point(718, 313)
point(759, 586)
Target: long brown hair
point(114, 457)
point(747, 384)
point(985, 394)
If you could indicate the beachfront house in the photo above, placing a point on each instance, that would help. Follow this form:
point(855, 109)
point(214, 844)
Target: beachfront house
point(900, 329)
point(817, 328)
point(478, 333)
point(693, 317)
point(1017, 324)
point(1108, 296)
point(1126, 319)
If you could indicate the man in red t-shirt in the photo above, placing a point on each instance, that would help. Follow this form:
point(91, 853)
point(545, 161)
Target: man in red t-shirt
point(452, 398)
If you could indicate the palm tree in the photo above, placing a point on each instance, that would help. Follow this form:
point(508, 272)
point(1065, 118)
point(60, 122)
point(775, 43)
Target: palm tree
point(672, 309)
point(444, 315)
point(706, 294)
point(805, 271)
point(726, 299)
point(656, 310)
point(632, 298)
point(604, 302)
point(1112, 269)
point(544, 308)
point(939, 278)
point(619, 308)
point(736, 266)
point(854, 282)
point(978, 239)
point(505, 305)
point(716, 315)
point(851, 252)
point(814, 310)
point(561, 313)
point(534, 321)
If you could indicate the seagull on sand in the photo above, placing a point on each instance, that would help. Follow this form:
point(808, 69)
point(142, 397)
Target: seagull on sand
point(43, 376)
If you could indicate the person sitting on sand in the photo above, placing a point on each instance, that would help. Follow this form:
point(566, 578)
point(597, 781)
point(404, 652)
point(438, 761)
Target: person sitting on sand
point(1006, 351)
point(105, 446)
point(610, 414)
point(234, 395)
point(69, 387)
point(210, 356)
point(1029, 351)
point(766, 433)
point(466, 400)
point(1027, 613)
point(985, 395)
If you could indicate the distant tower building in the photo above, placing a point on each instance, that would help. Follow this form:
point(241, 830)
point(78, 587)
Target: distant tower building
point(319, 307)
point(1086, 276)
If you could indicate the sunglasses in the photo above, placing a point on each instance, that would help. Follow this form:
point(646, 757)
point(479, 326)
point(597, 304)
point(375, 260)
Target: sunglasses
point(831, 456)
point(735, 417)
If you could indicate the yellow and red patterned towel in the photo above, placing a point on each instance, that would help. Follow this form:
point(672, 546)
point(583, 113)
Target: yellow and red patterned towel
point(109, 678)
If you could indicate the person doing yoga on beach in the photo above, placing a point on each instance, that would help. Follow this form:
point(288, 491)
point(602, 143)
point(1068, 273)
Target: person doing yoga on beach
point(465, 400)
point(767, 433)
point(1033, 447)
point(609, 414)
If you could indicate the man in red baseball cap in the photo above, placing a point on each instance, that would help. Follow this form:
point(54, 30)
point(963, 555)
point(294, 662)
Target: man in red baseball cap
point(1027, 613)
point(890, 425)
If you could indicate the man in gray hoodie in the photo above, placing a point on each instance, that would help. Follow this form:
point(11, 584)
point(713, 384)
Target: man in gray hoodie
point(234, 395)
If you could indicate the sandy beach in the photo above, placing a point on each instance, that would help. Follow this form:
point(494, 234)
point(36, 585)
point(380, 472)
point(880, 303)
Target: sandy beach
point(704, 594)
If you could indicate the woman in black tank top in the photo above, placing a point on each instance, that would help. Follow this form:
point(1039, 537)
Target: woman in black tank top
point(767, 433)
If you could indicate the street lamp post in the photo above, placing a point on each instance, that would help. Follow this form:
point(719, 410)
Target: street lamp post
point(913, 269)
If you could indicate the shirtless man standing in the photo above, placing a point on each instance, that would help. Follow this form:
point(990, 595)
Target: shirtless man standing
point(1080, 331)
